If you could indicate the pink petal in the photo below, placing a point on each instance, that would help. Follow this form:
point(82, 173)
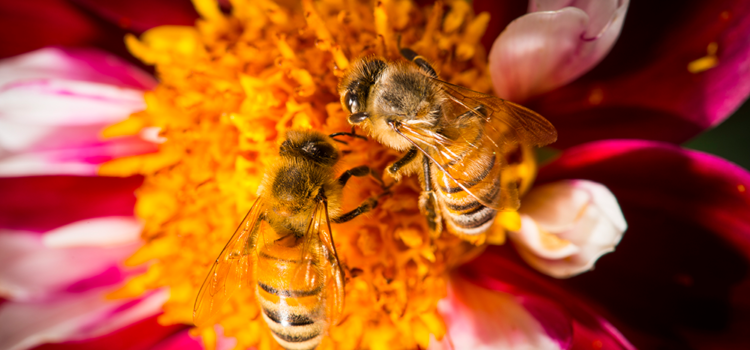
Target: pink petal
point(86, 65)
point(30, 271)
point(76, 159)
point(98, 232)
point(43, 203)
point(498, 270)
point(544, 50)
point(568, 226)
point(67, 102)
point(84, 315)
point(681, 271)
point(645, 90)
point(478, 318)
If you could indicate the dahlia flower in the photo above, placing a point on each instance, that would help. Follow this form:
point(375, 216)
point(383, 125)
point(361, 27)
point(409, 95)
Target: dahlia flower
point(89, 264)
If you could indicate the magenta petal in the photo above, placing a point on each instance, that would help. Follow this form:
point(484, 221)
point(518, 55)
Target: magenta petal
point(42, 203)
point(569, 320)
point(644, 89)
point(681, 271)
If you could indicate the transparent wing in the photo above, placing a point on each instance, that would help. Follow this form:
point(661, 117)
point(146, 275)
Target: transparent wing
point(231, 270)
point(481, 132)
point(525, 125)
point(322, 229)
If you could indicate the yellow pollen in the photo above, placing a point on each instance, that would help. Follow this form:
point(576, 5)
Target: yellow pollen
point(229, 89)
point(706, 62)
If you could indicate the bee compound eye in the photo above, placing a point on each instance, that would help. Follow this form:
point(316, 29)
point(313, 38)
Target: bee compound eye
point(351, 102)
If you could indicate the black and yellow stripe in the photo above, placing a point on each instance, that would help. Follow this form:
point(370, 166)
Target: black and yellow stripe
point(293, 307)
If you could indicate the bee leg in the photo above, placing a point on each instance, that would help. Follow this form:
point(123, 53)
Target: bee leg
point(397, 165)
point(359, 171)
point(410, 55)
point(428, 203)
point(368, 205)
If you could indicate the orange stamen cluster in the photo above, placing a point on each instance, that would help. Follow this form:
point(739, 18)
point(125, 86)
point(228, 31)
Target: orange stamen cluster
point(229, 89)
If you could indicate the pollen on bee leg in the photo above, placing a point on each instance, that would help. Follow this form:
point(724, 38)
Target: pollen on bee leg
point(505, 220)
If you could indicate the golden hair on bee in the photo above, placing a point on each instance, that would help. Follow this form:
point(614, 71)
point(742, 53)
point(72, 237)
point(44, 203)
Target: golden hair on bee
point(283, 249)
point(457, 140)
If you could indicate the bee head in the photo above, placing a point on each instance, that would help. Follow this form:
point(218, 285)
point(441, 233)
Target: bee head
point(310, 145)
point(355, 87)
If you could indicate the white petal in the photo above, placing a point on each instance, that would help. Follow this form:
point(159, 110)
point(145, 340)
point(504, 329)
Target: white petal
point(40, 164)
point(480, 319)
point(98, 232)
point(543, 50)
point(567, 226)
point(81, 316)
point(67, 102)
point(31, 271)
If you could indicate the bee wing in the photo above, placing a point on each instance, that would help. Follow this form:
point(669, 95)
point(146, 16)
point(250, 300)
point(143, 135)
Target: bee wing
point(481, 121)
point(231, 270)
point(320, 227)
point(525, 125)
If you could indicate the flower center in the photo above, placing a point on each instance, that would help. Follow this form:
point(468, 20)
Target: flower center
point(230, 88)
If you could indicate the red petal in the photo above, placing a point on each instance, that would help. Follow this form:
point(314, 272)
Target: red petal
point(675, 275)
point(643, 89)
point(29, 25)
point(145, 334)
point(141, 15)
point(42, 203)
point(500, 269)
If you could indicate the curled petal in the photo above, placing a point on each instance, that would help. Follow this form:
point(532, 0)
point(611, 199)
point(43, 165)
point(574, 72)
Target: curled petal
point(567, 226)
point(679, 69)
point(544, 50)
point(29, 270)
point(478, 318)
point(81, 316)
point(681, 274)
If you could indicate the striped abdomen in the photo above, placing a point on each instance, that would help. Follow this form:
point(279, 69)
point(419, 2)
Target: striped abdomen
point(292, 297)
point(481, 167)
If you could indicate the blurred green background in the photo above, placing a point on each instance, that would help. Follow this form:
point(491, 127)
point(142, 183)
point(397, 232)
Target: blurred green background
point(729, 140)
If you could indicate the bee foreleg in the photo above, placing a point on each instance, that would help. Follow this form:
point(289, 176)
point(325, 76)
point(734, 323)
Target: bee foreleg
point(394, 168)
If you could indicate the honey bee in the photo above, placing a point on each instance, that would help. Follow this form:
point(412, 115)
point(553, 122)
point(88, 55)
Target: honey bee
point(456, 139)
point(283, 248)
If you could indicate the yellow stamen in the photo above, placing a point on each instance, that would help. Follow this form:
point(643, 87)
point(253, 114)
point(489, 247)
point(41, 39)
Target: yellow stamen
point(229, 89)
point(706, 62)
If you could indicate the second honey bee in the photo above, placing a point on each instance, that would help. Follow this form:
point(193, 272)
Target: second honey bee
point(456, 139)
point(283, 249)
